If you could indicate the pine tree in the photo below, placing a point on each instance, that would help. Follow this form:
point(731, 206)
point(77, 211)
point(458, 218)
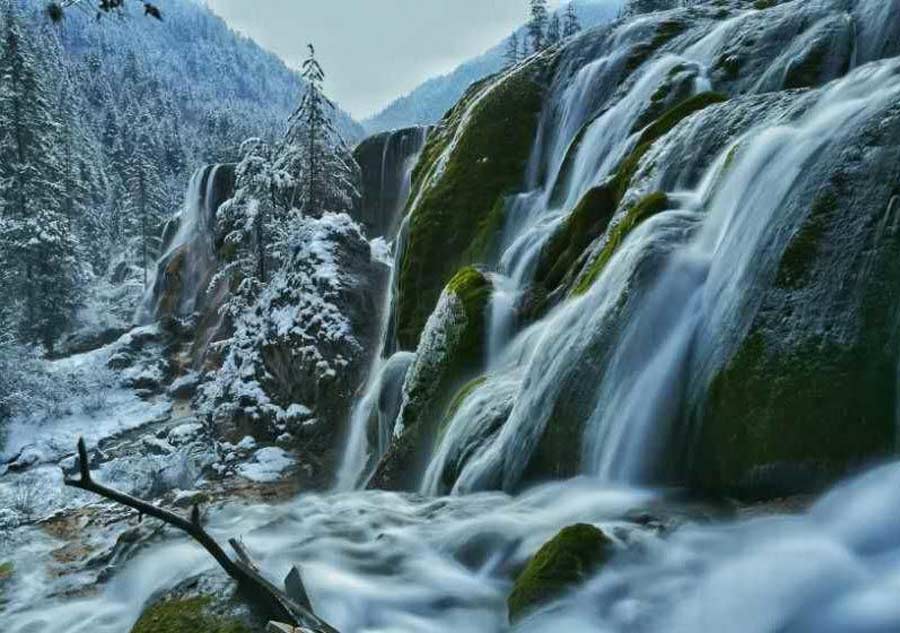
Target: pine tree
point(512, 50)
point(317, 171)
point(36, 237)
point(572, 25)
point(146, 206)
point(554, 30)
point(537, 27)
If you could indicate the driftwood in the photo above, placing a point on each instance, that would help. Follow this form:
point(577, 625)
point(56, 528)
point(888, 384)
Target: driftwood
point(291, 606)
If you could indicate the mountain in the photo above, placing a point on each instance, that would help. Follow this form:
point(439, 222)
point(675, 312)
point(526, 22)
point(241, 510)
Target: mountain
point(427, 103)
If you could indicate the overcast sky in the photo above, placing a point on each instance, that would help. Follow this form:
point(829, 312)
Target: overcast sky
point(376, 50)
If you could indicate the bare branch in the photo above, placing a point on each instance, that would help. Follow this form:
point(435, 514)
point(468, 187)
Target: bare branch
point(274, 601)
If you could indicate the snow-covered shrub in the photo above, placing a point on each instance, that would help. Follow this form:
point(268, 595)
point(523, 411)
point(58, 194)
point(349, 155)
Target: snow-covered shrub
point(294, 335)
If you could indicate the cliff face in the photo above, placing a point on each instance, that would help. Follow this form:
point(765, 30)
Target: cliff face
point(386, 161)
point(690, 223)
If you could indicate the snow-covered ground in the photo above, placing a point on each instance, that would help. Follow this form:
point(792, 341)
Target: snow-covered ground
point(90, 403)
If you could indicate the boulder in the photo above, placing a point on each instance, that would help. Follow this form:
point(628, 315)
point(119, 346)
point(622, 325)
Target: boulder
point(565, 561)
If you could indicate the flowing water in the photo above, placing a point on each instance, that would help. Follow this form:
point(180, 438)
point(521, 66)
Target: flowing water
point(382, 562)
point(381, 397)
point(378, 562)
point(192, 242)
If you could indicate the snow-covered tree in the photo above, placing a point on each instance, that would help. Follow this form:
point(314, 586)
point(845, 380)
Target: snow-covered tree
point(145, 207)
point(512, 54)
point(36, 236)
point(554, 30)
point(537, 26)
point(571, 23)
point(319, 173)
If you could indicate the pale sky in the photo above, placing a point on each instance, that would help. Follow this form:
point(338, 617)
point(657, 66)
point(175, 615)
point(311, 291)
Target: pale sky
point(376, 50)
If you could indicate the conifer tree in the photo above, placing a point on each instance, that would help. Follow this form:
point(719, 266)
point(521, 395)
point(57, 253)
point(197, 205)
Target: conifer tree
point(554, 30)
point(571, 24)
point(512, 50)
point(319, 172)
point(146, 207)
point(537, 27)
point(36, 237)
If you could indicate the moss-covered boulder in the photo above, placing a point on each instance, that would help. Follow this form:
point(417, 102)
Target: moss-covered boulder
point(646, 207)
point(587, 222)
point(811, 391)
point(566, 560)
point(187, 615)
point(473, 160)
point(451, 352)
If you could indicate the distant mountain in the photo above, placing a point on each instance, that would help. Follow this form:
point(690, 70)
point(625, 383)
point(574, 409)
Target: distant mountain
point(208, 68)
point(427, 103)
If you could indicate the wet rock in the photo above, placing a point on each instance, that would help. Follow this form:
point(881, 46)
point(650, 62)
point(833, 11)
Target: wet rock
point(189, 498)
point(185, 433)
point(566, 560)
point(451, 351)
point(87, 341)
point(184, 387)
point(385, 160)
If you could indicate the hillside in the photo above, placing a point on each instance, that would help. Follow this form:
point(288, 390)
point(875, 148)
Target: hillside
point(427, 103)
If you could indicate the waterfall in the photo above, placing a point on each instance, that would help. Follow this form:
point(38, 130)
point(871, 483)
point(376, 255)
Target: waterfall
point(182, 272)
point(381, 395)
point(634, 352)
point(707, 288)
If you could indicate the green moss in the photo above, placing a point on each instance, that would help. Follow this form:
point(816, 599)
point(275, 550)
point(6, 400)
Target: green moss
point(762, 5)
point(800, 255)
point(6, 574)
point(647, 207)
point(185, 616)
point(435, 378)
point(456, 213)
point(587, 222)
point(569, 558)
point(730, 65)
point(820, 403)
point(464, 392)
point(666, 31)
point(592, 215)
point(656, 130)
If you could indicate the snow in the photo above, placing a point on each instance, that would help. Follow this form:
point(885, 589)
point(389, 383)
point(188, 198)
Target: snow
point(95, 408)
point(267, 466)
point(185, 432)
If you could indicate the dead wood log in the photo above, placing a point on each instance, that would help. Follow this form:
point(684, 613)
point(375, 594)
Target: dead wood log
point(275, 603)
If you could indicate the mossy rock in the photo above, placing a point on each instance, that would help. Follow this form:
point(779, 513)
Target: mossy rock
point(587, 222)
point(188, 615)
point(452, 351)
point(566, 560)
point(801, 253)
point(822, 405)
point(660, 127)
point(646, 207)
point(592, 216)
point(6, 574)
point(666, 31)
point(457, 207)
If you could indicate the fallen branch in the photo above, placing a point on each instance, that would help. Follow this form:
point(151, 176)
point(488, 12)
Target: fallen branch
point(276, 603)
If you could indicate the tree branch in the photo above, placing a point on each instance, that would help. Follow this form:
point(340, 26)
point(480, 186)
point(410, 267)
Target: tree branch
point(275, 602)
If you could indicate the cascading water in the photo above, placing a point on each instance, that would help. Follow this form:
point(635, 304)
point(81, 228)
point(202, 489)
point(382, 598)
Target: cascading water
point(631, 384)
point(710, 282)
point(624, 359)
point(381, 397)
point(578, 152)
point(183, 270)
